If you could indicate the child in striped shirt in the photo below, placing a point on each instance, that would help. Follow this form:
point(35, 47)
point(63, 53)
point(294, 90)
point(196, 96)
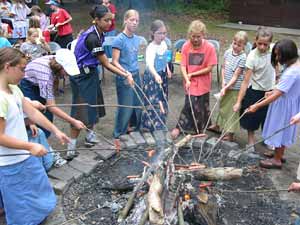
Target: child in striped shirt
point(232, 76)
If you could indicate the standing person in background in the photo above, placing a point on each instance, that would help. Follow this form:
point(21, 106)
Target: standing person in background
point(112, 29)
point(233, 71)
point(198, 59)
point(285, 102)
point(125, 57)
point(155, 78)
point(20, 10)
point(86, 86)
point(61, 19)
point(259, 79)
point(36, 11)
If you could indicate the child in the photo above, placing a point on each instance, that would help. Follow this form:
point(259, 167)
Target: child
point(61, 19)
point(198, 59)
point(125, 57)
point(232, 76)
point(112, 29)
point(285, 102)
point(27, 195)
point(85, 86)
point(155, 78)
point(34, 46)
point(20, 10)
point(37, 11)
point(259, 78)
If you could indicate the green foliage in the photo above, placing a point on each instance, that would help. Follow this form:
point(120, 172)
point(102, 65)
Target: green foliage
point(193, 6)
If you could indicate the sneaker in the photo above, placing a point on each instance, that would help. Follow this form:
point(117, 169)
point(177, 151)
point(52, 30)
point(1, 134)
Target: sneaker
point(71, 153)
point(58, 161)
point(91, 139)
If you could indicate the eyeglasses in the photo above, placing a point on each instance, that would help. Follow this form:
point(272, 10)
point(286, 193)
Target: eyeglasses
point(21, 68)
point(161, 33)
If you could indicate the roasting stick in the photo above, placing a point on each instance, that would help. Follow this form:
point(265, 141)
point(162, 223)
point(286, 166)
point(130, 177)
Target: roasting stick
point(254, 191)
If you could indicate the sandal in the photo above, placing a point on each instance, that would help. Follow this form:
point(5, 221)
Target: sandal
point(270, 154)
point(214, 128)
point(228, 137)
point(175, 133)
point(270, 164)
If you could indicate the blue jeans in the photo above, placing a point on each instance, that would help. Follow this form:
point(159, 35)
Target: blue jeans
point(46, 160)
point(127, 96)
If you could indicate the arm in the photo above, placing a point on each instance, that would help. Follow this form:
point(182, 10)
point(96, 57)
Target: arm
point(61, 114)
point(242, 91)
point(295, 119)
point(205, 70)
point(38, 118)
point(271, 98)
point(185, 76)
point(11, 142)
point(234, 78)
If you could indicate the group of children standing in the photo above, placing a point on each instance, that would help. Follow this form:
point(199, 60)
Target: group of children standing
point(248, 86)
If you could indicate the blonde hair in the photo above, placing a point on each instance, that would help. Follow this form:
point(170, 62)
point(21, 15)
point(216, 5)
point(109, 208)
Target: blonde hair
point(196, 26)
point(129, 13)
point(241, 36)
point(31, 31)
point(34, 22)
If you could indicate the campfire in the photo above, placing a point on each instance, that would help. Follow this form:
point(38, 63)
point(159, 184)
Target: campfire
point(171, 187)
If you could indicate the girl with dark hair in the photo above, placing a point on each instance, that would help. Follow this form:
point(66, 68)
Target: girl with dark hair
point(156, 77)
point(85, 86)
point(285, 102)
point(27, 195)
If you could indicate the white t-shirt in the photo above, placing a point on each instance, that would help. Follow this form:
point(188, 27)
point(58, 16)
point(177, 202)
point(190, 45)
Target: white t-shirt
point(263, 76)
point(12, 111)
point(153, 49)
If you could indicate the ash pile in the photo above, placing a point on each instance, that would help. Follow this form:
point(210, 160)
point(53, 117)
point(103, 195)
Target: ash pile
point(197, 181)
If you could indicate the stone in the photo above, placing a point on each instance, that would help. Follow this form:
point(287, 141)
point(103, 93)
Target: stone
point(104, 150)
point(65, 173)
point(228, 145)
point(128, 141)
point(138, 138)
point(84, 166)
point(159, 137)
point(198, 142)
point(59, 186)
point(213, 142)
point(149, 138)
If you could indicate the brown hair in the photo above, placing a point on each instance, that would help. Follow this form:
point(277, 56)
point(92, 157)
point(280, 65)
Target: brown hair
point(55, 67)
point(37, 9)
point(34, 22)
point(10, 55)
point(156, 25)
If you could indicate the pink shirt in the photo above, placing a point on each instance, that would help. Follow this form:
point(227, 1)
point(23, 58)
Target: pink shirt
point(195, 60)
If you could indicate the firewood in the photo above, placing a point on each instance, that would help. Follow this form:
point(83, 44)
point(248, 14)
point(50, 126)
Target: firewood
point(180, 214)
point(219, 173)
point(156, 215)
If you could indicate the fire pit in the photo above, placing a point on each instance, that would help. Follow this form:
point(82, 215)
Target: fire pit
point(169, 188)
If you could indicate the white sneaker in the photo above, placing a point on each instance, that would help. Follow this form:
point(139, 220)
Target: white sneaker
point(58, 161)
point(71, 153)
point(91, 139)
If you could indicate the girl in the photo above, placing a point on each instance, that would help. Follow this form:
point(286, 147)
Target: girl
point(232, 76)
point(27, 195)
point(36, 11)
point(259, 78)
point(85, 86)
point(155, 77)
point(34, 46)
point(198, 59)
point(40, 75)
point(125, 57)
point(61, 19)
point(112, 29)
point(285, 102)
point(20, 10)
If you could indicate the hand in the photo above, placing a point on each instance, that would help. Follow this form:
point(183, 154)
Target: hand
point(295, 119)
point(50, 27)
point(189, 76)
point(37, 105)
point(58, 25)
point(158, 79)
point(62, 137)
point(169, 73)
point(130, 79)
point(37, 149)
point(252, 108)
point(268, 93)
point(161, 106)
point(34, 130)
point(294, 187)
point(187, 85)
point(236, 107)
point(78, 124)
point(223, 91)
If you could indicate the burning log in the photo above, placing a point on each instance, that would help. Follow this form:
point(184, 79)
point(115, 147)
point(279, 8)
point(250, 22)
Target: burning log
point(219, 173)
point(156, 215)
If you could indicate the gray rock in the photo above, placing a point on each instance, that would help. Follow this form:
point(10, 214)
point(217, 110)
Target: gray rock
point(212, 142)
point(228, 145)
point(149, 139)
point(198, 142)
point(59, 186)
point(65, 173)
point(84, 166)
point(104, 150)
point(159, 137)
point(128, 141)
point(57, 216)
point(138, 138)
